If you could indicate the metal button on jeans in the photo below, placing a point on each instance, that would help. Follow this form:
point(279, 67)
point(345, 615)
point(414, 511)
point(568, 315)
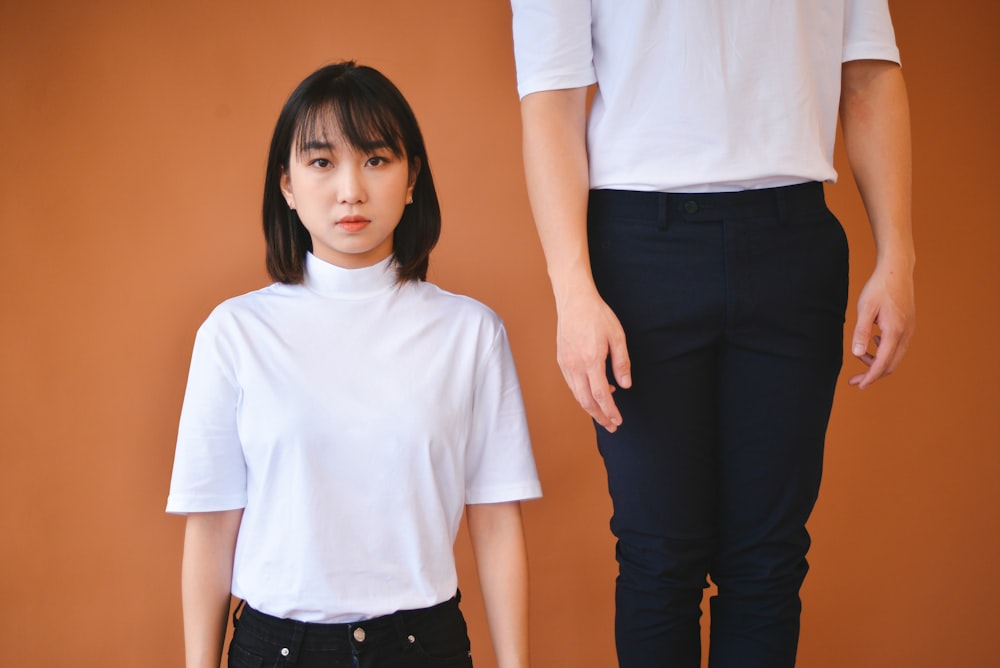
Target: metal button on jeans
point(359, 634)
point(691, 206)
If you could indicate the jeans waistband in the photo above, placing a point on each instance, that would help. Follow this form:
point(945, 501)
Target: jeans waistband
point(319, 634)
point(764, 203)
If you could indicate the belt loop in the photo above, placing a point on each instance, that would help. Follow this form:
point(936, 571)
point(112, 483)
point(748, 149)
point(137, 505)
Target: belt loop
point(662, 214)
point(781, 204)
point(237, 610)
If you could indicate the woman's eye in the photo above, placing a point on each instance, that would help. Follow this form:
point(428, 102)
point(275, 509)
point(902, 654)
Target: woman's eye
point(376, 160)
point(320, 162)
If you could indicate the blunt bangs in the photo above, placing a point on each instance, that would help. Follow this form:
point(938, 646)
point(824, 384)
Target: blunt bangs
point(353, 116)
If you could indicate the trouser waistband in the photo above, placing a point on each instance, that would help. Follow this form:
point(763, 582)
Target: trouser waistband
point(324, 633)
point(775, 203)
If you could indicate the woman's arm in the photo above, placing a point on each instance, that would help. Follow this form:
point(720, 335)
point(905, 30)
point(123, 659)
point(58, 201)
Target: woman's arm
point(875, 118)
point(206, 581)
point(497, 537)
point(556, 169)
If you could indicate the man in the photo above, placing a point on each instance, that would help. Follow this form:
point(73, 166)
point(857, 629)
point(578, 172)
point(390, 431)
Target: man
point(697, 270)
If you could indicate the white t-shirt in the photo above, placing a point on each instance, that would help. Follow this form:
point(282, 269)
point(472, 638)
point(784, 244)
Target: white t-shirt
point(353, 419)
point(706, 95)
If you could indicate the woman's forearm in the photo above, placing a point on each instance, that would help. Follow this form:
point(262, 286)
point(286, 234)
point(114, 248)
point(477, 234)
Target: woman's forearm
point(206, 581)
point(498, 543)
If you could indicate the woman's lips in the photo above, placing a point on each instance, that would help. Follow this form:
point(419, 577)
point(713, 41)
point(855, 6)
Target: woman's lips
point(353, 223)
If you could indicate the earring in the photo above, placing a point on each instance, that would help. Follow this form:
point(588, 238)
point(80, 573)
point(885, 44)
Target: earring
point(409, 200)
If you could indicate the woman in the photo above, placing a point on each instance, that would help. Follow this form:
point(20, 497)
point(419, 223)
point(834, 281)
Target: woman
point(337, 423)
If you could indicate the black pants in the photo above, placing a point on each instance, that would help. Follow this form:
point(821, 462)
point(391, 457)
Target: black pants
point(733, 308)
point(434, 637)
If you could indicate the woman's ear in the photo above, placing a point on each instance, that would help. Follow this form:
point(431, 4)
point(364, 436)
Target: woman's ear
point(286, 189)
point(414, 172)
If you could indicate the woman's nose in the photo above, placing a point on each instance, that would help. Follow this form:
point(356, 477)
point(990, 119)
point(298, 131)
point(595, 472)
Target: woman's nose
point(351, 188)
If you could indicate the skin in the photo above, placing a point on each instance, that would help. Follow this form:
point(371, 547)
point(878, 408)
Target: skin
point(325, 183)
point(874, 115)
point(875, 120)
point(556, 170)
point(497, 535)
point(206, 578)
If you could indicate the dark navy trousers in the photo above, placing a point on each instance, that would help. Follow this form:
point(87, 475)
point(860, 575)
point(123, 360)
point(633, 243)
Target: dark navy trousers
point(733, 308)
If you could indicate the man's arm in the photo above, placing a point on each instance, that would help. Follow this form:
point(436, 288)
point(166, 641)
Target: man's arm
point(556, 170)
point(497, 535)
point(875, 118)
point(206, 580)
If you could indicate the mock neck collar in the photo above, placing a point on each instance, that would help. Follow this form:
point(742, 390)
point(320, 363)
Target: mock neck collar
point(329, 280)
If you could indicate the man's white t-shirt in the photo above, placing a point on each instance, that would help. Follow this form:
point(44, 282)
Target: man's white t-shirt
point(352, 418)
point(706, 95)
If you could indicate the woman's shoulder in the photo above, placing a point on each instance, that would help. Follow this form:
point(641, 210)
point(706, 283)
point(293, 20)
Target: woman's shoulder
point(254, 304)
point(456, 304)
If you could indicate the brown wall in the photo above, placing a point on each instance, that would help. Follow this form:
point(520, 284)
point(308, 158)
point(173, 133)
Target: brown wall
point(132, 140)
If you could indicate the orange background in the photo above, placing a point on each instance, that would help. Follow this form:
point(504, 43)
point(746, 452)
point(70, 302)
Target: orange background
point(132, 146)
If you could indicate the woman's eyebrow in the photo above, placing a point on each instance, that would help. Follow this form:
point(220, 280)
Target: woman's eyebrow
point(322, 144)
point(317, 145)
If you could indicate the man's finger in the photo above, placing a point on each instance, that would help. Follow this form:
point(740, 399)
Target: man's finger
point(621, 365)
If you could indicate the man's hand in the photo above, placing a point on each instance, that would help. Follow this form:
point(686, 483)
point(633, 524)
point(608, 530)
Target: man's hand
point(588, 333)
point(886, 302)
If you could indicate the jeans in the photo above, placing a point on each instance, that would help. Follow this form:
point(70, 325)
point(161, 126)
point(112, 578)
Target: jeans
point(733, 309)
point(433, 637)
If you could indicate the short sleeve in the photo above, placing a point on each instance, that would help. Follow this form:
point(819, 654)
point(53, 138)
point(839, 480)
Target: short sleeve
point(209, 469)
point(553, 47)
point(499, 463)
point(868, 33)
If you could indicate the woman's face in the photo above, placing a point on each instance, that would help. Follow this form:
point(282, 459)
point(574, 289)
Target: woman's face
point(349, 201)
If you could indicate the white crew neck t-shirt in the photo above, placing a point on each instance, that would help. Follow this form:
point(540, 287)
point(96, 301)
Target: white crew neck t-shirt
point(705, 95)
point(352, 418)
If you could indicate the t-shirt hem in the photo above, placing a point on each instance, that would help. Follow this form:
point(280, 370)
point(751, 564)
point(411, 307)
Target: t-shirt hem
point(182, 505)
point(539, 83)
point(871, 51)
point(521, 492)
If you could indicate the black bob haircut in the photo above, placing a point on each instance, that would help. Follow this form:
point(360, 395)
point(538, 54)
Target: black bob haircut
point(369, 112)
